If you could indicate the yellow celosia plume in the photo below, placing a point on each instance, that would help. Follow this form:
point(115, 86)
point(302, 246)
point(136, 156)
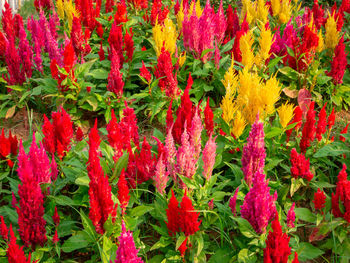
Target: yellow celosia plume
point(165, 35)
point(60, 8)
point(262, 12)
point(320, 46)
point(70, 12)
point(248, 10)
point(239, 124)
point(276, 7)
point(332, 35)
point(230, 76)
point(285, 113)
point(245, 45)
point(265, 43)
point(182, 59)
point(286, 11)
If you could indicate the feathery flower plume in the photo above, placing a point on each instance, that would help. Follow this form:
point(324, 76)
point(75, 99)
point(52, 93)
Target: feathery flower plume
point(8, 146)
point(298, 117)
point(164, 70)
point(3, 229)
point(341, 196)
point(332, 35)
point(158, 13)
point(233, 200)
point(319, 200)
point(129, 44)
point(259, 206)
point(58, 134)
point(173, 215)
point(101, 203)
point(277, 244)
point(186, 161)
point(253, 156)
point(331, 120)
point(285, 113)
point(15, 254)
point(208, 119)
point(165, 36)
point(31, 204)
point(339, 63)
point(189, 223)
point(195, 133)
point(170, 154)
point(309, 129)
point(300, 166)
point(183, 247)
point(123, 192)
point(291, 216)
point(56, 217)
point(55, 238)
point(115, 78)
point(344, 131)
point(144, 72)
point(322, 123)
point(209, 157)
point(161, 175)
point(127, 251)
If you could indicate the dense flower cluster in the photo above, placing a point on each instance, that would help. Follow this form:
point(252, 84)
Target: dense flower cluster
point(101, 204)
point(58, 134)
point(253, 156)
point(8, 146)
point(184, 218)
point(31, 204)
point(277, 244)
point(341, 196)
point(300, 166)
point(319, 200)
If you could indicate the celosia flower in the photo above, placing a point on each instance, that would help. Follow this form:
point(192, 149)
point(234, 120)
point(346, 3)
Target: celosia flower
point(164, 72)
point(184, 113)
point(127, 251)
point(144, 72)
point(54, 170)
point(56, 217)
point(79, 135)
point(129, 44)
point(31, 205)
point(170, 154)
point(295, 260)
point(291, 216)
point(344, 131)
point(123, 192)
point(253, 156)
point(265, 43)
point(40, 162)
point(339, 63)
point(55, 238)
point(245, 45)
point(79, 40)
point(208, 157)
point(233, 200)
point(173, 215)
point(309, 129)
point(165, 36)
point(195, 133)
point(121, 13)
point(15, 254)
point(189, 223)
point(101, 203)
point(208, 119)
point(341, 197)
point(232, 22)
point(161, 175)
point(332, 35)
point(7, 21)
point(298, 117)
point(169, 120)
point(183, 247)
point(8, 146)
point(300, 166)
point(285, 113)
point(277, 244)
point(331, 119)
point(322, 123)
point(3, 229)
point(259, 206)
point(319, 200)
point(59, 133)
point(158, 12)
point(101, 53)
point(141, 164)
point(186, 162)
point(115, 41)
point(115, 78)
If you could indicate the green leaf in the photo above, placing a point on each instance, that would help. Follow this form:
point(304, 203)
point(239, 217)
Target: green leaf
point(162, 242)
point(295, 185)
point(88, 226)
point(246, 256)
point(308, 252)
point(275, 131)
point(75, 242)
point(99, 74)
point(93, 102)
point(141, 210)
point(333, 149)
point(305, 214)
point(245, 227)
point(83, 180)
